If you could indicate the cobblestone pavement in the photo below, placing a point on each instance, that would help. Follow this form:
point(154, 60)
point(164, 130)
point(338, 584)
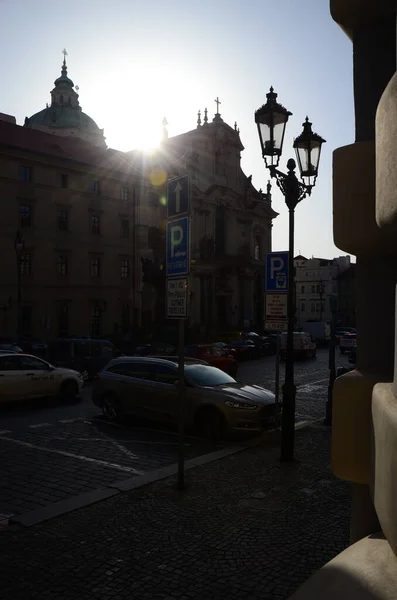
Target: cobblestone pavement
point(246, 528)
point(52, 457)
point(311, 379)
point(40, 465)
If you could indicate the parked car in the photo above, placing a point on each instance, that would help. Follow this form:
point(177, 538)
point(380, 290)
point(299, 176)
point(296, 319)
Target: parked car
point(35, 347)
point(272, 340)
point(23, 376)
point(226, 348)
point(244, 349)
point(347, 342)
point(10, 347)
point(216, 403)
point(261, 342)
point(85, 355)
point(341, 331)
point(154, 348)
point(304, 345)
point(215, 356)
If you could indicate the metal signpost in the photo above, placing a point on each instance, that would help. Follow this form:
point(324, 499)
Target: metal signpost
point(276, 305)
point(177, 270)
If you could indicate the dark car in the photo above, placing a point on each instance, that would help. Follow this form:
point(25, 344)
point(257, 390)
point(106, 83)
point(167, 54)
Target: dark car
point(244, 349)
point(35, 347)
point(10, 347)
point(155, 348)
point(85, 355)
point(261, 342)
point(215, 356)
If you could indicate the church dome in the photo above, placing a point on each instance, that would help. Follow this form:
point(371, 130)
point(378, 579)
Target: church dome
point(64, 117)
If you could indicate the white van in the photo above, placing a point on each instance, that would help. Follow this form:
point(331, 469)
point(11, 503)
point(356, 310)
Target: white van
point(304, 345)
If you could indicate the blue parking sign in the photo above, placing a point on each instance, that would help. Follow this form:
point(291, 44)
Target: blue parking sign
point(276, 272)
point(178, 247)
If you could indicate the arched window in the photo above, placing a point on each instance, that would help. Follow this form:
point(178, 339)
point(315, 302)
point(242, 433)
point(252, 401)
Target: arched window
point(61, 99)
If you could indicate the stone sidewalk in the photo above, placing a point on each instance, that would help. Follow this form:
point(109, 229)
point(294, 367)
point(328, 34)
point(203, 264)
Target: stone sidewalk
point(247, 528)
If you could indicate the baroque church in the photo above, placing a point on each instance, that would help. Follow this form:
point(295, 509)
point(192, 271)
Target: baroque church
point(92, 221)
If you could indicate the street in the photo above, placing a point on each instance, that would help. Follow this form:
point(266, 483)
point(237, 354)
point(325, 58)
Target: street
point(51, 452)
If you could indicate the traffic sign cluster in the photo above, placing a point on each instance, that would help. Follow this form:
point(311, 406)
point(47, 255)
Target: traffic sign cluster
point(178, 246)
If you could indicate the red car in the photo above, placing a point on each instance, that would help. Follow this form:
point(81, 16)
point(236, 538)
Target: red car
point(213, 355)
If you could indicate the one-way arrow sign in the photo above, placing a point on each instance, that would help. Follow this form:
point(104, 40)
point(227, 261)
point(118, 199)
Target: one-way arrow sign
point(178, 196)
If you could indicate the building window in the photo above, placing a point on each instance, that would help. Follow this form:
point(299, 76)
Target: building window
point(124, 192)
point(25, 215)
point(257, 248)
point(62, 264)
point(96, 320)
point(63, 320)
point(25, 174)
point(318, 306)
point(63, 180)
point(25, 264)
point(95, 267)
point(302, 289)
point(94, 187)
point(95, 224)
point(125, 268)
point(313, 307)
point(303, 307)
point(125, 228)
point(63, 219)
point(313, 289)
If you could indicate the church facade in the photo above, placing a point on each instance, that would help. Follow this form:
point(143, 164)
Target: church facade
point(92, 221)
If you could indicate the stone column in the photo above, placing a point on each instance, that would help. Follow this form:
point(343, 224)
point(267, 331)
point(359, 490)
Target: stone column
point(371, 27)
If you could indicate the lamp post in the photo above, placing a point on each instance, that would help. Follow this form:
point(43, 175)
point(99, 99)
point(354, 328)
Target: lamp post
point(271, 120)
point(19, 246)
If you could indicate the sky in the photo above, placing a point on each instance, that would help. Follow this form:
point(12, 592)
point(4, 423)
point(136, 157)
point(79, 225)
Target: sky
point(137, 62)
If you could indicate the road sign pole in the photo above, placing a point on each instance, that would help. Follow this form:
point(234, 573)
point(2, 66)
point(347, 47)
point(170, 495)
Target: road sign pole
point(277, 382)
point(181, 398)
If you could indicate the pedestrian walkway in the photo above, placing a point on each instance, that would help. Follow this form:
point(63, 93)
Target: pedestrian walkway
point(247, 528)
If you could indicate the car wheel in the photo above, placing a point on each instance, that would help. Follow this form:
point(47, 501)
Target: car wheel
point(111, 407)
point(69, 391)
point(211, 424)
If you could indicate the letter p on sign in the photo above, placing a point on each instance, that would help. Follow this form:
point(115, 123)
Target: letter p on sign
point(176, 238)
point(276, 264)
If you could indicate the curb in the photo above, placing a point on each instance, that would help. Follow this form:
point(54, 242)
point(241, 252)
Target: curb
point(57, 509)
point(34, 517)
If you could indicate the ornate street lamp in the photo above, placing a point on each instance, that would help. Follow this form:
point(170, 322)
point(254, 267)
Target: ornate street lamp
point(19, 246)
point(271, 120)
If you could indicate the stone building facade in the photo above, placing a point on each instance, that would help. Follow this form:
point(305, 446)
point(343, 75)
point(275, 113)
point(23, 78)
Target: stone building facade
point(93, 219)
point(317, 280)
point(231, 225)
point(75, 206)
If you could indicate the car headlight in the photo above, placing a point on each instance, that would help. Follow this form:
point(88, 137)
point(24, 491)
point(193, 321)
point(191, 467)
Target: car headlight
point(245, 405)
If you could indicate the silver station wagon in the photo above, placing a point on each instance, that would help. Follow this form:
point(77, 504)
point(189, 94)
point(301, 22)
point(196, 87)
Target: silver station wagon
point(216, 404)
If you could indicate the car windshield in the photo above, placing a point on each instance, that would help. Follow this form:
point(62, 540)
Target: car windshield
point(207, 376)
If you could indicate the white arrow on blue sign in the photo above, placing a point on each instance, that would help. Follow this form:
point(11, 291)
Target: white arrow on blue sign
point(178, 247)
point(178, 196)
point(276, 272)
